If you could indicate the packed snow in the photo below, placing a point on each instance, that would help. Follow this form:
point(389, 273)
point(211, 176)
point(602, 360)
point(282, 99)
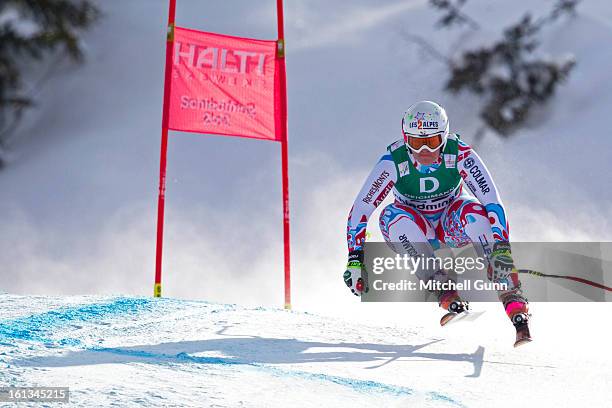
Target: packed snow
point(119, 351)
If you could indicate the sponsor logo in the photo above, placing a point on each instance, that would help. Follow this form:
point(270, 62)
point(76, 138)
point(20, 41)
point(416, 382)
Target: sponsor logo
point(423, 125)
point(471, 186)
point(215, 109)
point(432, 206)
point(480, 179)
point(450, 160)
point(410, 250)
point(376, 185)
point(383, 194)
point(486, 246)
point(423, 184)
point(219, 59)
point(407, 198)
point(404, 168)
point(469, 162)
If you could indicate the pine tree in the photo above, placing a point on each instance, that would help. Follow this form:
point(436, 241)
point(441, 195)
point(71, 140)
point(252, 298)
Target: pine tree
point(508, 74)
point(29, 31)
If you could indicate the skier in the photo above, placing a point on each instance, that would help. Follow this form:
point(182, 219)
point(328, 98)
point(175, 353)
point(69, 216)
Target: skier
point(426, 171)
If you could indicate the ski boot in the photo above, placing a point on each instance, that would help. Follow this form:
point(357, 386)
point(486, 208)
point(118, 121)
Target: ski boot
point(451, 302)
point(517, 311)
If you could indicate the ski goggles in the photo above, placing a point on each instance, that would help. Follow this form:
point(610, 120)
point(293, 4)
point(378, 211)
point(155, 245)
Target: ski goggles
point(417, 144)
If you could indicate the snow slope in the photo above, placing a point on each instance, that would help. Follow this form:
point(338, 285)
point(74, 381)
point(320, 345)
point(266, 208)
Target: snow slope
point(119, 351)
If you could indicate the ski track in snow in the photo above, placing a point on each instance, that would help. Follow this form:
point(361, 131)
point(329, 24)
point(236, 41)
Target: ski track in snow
point(108, 333)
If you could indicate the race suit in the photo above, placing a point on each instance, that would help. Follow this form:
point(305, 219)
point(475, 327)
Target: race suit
point(431, 207)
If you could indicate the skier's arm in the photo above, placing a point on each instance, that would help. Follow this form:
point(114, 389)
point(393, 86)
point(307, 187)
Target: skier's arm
point(376, 187)
point(477, 178)
point(501, 263)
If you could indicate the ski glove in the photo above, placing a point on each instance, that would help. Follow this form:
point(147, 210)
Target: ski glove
point(502, 263)
point(355, 275)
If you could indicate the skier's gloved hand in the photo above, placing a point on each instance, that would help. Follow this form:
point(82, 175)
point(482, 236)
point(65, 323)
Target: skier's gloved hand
point(501, 263)
point(355, 275)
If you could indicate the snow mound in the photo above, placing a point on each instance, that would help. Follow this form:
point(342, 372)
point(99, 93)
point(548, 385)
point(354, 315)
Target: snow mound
point(160, 352)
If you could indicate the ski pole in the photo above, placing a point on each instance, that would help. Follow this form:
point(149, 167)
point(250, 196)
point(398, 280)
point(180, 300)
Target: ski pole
point(574, 278)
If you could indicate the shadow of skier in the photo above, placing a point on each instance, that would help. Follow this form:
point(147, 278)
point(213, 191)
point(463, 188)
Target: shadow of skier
point(255, 350)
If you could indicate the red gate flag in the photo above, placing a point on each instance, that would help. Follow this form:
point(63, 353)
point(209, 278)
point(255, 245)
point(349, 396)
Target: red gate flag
point(225, 85)
point(229, 86)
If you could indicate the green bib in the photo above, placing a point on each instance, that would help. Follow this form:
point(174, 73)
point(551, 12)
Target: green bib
point(425, 186)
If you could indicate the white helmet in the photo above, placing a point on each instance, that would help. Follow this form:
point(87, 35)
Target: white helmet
point(425, 126)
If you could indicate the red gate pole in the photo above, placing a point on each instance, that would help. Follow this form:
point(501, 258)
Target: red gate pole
point(157, 291)
point(280, 52)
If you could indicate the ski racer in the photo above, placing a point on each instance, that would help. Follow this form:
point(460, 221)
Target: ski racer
point(426, 170)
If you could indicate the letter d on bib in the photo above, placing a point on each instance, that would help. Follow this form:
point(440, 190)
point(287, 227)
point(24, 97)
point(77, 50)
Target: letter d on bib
point(423, 184)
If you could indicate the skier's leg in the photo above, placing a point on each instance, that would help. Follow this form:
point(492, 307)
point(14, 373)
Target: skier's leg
point(466, 221)
point(407, 231)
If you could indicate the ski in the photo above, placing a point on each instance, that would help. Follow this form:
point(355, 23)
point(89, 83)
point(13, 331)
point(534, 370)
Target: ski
point(448, 317)
point(522, 336)
point(456, 308)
